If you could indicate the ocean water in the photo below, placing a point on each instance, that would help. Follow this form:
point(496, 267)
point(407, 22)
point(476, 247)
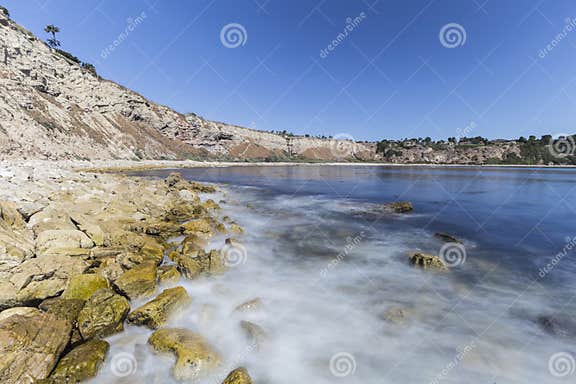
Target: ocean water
point(329, 268)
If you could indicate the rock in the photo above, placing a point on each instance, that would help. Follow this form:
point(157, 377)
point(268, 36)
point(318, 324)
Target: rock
point(30, 345)
point(138, 282)
point(426, 261)
point(22, 311)
point(193, 264)
point(399, 207)
point(173, 179)
point(81, 363)
point(194, 357)
point(50, 219)
point(446, 238)
point(62, 238)
point(152, 251)
point(103, 314)
point(10, 215)
point(65, 309)
point(249, 306)
point(38, 279)
point(200, 227)
point(156, 312)
point(558, 325)
point(210, 205)
point(255, 334)
point(83, 286)
point(396, 315)
point(235, 228)
point(168, 274)
point(238, 376)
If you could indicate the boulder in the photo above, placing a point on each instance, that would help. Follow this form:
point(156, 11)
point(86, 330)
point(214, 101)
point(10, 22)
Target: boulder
point(81, 363)
point(30, 345)
point(238, 376)
point(156, 312)
point(210, 205)
point(235, 228)
point(50, 219)
point(103, 314)
point(194, 357)
point(168, 274)
point(83, 286)
point(65, 309)
point(427, 261)
point(62, 238)
point(200, 227)
point(193, 264)
point(10, 215)
point(138, 282)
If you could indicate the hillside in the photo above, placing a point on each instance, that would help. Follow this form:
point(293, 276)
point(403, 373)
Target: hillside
point(52, 108)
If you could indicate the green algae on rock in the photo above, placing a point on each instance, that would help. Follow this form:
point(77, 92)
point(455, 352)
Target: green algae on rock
point(427, 261)
point(167, 274)
point(194, 357)
point(83, 286)
point(238, 376)
point(156, 312)
point(138, 282)
point(81, 363)
point(103, 314)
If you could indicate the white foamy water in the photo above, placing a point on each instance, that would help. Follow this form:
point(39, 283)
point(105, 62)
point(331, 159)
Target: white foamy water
point(326, 279)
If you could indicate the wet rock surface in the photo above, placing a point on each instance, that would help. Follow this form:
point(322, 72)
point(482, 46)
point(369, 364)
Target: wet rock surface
point(426, 261)
point(238, 376)
point(103, 314)
point(80, 364)
point(156, 312)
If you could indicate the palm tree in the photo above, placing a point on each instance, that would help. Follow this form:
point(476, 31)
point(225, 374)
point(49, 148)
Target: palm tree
point(53, 42)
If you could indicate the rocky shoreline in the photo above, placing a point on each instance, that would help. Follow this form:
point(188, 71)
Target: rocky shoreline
point(78, 248)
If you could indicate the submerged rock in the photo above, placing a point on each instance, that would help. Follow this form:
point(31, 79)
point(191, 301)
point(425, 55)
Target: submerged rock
point(83, 286)
point(30, 344)
point(255, 334)
point(427, 261)
point(396, 315)
point(447, 238)
point(81, 363)
point(194, 357)
point(156, 312)
point(249, 306)
point(238, 376)
point(399, 207)
point(193, 263)
point(103, 314)
point(138, 282)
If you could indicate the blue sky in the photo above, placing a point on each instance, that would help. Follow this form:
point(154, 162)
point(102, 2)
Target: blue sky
point(390, 77)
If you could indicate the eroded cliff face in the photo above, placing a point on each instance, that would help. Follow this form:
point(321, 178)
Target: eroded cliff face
point(52, 108)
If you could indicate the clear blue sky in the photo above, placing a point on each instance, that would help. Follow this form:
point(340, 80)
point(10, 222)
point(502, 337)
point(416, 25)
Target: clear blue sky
point(391, 77)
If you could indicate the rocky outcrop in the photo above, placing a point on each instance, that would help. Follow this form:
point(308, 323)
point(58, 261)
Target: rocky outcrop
point(426, 261)
point(80, 364)
point(156, 312)
point(30, 344)
point(194, 357)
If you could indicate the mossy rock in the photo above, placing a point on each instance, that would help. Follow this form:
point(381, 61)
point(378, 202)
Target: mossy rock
point(194, 357)
point(238, 376)
point(400, 207)
point(427, 261)
point(235, 228)
point(65, 309)
point(138, 282)
point(210, 205)
point(193, 264)
point(201, 227)
point(81, 287)
point(81, 363)
point(168, 274)
point(103, 314)
point(152, 250)
point(156, 312)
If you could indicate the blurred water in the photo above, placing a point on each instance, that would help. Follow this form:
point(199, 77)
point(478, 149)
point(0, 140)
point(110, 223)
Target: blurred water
point(327, 272)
